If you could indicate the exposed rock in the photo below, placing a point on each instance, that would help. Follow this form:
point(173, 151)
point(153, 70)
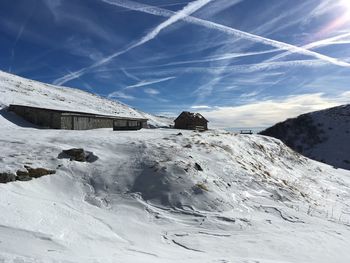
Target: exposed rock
point(200, 188)
point(78, 154)
point(32, 173)
point(38, 172)
point(7, 177)
point(23, 176)
point(198, 167)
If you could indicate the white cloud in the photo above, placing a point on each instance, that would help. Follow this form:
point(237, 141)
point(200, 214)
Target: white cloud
point(169, 114)
point(200, 107)
point(250, 94)
point(82, 47)
point(268, 112)
point(151, 91)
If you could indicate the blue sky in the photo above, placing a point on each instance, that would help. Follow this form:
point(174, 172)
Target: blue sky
point(242, 63)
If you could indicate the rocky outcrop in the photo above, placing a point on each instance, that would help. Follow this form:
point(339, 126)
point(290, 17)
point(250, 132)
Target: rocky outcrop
point(7, 177)
point(300, 133)
point(31, 173)
point(321, 135)
point(26, 174)
point(78, 154)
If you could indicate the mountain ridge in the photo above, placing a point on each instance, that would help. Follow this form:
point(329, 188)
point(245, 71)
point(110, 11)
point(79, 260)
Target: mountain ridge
point(321, 135)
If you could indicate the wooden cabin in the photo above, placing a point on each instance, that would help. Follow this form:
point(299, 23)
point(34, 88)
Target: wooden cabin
point(191, 121)
point(74, 120)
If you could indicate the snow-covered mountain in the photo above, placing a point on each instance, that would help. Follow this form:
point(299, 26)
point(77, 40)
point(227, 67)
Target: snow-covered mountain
point(18, 90)
point(165, 195)
point(322, 135)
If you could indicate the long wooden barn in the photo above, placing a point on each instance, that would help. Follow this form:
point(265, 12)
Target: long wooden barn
point(74, 120)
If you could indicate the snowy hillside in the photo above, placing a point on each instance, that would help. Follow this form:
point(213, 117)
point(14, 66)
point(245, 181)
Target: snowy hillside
point(18, 90)
point(164, 196)
point(323, 135)
point(160, 195)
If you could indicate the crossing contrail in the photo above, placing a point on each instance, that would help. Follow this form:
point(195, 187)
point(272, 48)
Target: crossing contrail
point(226, 29)
point(173, 18)
point(320, 43)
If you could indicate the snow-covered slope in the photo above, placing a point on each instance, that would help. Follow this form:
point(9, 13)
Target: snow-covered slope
point(322, 135)
point(18, 90)
point(159, 196)
point(163, 195)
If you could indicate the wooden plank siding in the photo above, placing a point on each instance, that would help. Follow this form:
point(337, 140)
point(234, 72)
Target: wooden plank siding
point(120, 125)
point(70, 120)
point(191, 121)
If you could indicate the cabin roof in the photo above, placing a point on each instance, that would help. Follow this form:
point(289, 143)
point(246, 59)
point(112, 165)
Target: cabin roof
point(78, 113)
point(191, 116)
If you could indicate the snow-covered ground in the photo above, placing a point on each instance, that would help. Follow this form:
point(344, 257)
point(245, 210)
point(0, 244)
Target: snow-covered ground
point(322, 135)
point(166, 195)
point(18, 90)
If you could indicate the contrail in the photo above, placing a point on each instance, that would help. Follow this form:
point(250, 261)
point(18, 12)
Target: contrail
point(207, 88)
point(148, 82)
point(238, 68)
point(218, 58)
point(228, 30)
point(243, 68)
point(320, 43)
point(20, 32)
point(208, 59)
point(130, 75)
point(175, 16)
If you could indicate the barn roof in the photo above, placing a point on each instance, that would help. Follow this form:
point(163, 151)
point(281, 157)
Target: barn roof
point(191, 116)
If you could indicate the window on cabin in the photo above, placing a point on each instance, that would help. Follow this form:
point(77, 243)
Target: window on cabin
point(120, 123)
point(133, 123)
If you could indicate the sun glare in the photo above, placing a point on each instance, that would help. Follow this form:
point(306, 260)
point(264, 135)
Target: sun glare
point(346, 4)
point(342, 20)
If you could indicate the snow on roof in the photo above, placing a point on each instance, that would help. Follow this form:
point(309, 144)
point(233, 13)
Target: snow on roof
point(192, 115)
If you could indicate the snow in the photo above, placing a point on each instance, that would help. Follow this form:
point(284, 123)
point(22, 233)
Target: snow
point(325, 138)
point(18, 90)
point(335, 123)
point(146, 200)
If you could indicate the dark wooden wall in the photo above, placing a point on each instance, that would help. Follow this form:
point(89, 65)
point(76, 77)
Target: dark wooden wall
point(40, 117)
point(190, 123)
point(54, 119)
